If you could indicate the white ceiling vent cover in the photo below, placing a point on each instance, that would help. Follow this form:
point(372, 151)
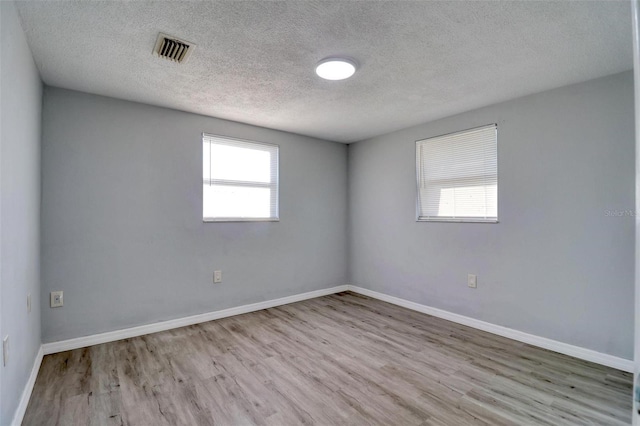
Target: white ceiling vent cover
point(173, 48)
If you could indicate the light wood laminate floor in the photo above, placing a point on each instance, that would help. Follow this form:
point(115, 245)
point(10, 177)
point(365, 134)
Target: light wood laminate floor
point(339, 359)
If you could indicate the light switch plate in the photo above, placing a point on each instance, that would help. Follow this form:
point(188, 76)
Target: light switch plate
point(57, 299)
point(217, 277)
point(29, 303)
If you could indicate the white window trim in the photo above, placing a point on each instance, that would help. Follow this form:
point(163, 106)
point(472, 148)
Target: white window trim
point(420, 218)
point(274, 194)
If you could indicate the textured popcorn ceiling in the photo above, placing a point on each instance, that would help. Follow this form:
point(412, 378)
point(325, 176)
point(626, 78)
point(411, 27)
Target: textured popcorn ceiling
point(254, 60)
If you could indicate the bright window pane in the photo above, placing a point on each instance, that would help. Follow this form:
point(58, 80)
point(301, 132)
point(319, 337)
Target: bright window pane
point(240, 164)
point(240, 179)
point(223, 201)
point(457, 176)
point(468, 201)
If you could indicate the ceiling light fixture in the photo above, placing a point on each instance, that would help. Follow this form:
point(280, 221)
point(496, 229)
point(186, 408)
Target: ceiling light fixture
point(336, 68)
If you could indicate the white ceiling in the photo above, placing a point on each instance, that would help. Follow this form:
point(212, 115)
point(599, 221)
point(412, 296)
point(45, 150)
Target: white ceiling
point(254, 60)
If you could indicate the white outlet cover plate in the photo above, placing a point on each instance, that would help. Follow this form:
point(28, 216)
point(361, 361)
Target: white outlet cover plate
point(5, 351)
point(57, 299)
point(472, 280)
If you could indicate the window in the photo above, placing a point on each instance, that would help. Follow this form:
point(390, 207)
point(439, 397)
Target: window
point(457, 176)
point(239, 180)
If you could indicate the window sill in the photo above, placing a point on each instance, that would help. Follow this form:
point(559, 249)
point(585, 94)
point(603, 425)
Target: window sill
point(456, 220)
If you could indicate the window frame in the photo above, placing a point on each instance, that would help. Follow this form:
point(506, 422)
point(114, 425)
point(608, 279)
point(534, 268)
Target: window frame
point(275, 193)
point(450, 219)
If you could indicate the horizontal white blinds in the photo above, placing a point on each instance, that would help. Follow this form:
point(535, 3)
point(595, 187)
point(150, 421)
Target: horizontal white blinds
point(240, 179)
point(458, 176)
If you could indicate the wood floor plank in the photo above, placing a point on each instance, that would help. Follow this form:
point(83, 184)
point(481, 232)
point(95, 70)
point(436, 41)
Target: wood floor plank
point(341, 359)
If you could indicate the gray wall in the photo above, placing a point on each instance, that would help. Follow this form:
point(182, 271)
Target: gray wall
point(20, 109)
point(556, 265)
point(122, 230)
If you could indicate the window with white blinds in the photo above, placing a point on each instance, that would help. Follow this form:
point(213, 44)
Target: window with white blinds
point(239, 180)
point(457, 176)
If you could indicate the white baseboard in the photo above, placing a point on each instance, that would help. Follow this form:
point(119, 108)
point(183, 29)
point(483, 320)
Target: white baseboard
point(111, 336)
point(542, 342)
point(28, 389)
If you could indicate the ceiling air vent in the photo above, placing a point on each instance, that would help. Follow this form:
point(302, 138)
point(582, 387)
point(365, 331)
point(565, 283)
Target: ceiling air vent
point(173, 48)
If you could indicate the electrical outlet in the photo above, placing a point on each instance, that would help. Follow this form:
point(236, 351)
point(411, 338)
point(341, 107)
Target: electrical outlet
point(56, 299)
point(5, 350)
point(472, 281)
point(29, 303)
point(217, 277)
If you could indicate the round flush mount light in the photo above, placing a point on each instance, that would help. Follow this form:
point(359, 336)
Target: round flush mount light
point(336, 68)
